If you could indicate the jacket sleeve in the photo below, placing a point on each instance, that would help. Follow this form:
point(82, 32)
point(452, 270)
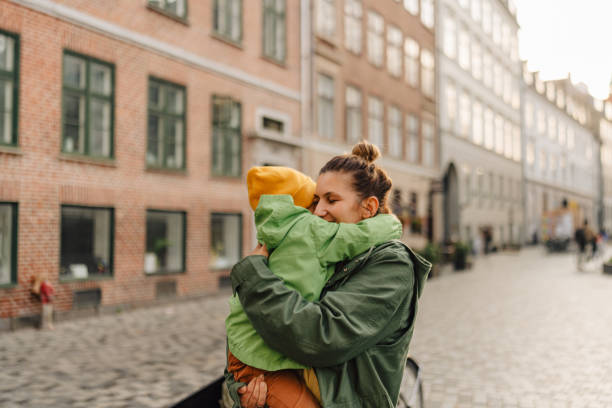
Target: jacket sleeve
point(337, 242)
point(274, 217)
point(344, 323)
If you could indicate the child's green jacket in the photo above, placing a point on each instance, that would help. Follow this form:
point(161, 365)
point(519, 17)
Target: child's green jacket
point(303, 252)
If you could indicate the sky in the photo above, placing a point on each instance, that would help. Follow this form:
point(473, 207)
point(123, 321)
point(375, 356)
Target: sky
point(575, 36)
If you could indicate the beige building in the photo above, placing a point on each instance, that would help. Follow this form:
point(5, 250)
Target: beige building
point(373, 78)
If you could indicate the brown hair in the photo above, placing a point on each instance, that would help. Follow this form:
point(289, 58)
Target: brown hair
point(368, 178)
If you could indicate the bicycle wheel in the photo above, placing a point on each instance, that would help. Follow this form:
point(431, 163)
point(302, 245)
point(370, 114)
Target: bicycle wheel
point(411, 391)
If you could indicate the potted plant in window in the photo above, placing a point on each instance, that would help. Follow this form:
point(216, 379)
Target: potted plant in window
point(160, 248)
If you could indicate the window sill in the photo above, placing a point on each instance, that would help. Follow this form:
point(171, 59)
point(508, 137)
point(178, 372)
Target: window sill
point(8, 286)
point(226, 40)
point(327, 40)
point(166, 170)
point(226, 177)
point(99, 161)
point(164, 273)
point(282, 64)
point(182, 20)
point(70, 279)
point(14, 150)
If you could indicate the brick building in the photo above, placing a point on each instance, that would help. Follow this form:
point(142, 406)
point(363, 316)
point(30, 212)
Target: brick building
point(125, 132)
point(373, 77)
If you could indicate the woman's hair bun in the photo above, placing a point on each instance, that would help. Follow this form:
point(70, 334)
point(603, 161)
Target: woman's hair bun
point(367, 151)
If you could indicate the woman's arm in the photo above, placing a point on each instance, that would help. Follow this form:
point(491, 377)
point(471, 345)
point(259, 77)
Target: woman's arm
point(344, 323)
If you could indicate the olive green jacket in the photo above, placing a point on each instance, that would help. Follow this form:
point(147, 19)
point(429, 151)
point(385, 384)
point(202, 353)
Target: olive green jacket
point(356, 336)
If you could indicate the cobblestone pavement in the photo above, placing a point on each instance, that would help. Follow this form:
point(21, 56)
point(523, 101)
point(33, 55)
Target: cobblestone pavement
point(518, 330)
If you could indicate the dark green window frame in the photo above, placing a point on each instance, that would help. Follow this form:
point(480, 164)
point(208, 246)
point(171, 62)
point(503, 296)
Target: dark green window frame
point(109, 269)
point(227, 265)
point(227, 137)
point(11, 76)
point(223, 22)
point(164, 7)
point(89, 97)
point(161, 147)
point(13, 243)
point(274, 19)
point(159, 248)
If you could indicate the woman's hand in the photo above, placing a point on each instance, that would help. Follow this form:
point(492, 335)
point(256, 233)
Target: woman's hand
point(254, 394)
point(260, 249)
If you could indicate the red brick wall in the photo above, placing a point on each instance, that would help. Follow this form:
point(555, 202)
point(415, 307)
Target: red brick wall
point(40, 180)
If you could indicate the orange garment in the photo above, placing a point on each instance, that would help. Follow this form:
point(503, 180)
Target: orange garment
point(280, 180)
point(286, 389)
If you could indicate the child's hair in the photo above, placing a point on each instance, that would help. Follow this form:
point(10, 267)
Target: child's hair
point(368, 178)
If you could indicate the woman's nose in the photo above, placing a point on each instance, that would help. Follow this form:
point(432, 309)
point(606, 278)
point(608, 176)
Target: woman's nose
point(320, 209)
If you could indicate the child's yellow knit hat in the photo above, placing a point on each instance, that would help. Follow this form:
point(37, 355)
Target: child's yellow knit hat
point(280, 180)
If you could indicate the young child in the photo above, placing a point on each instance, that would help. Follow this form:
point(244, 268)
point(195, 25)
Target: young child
point(303, 252)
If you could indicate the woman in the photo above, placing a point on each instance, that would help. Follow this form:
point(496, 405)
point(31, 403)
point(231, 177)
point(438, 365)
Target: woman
point(357, 335)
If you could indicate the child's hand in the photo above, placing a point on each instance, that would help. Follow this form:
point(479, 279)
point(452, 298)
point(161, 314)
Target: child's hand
point(260, 250)
point(254, 394)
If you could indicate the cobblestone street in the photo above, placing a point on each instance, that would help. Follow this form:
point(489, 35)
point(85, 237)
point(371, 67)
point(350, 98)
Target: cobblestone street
point(518, 330)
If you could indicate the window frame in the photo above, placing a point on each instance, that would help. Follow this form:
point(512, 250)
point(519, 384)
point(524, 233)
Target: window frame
point(331, 81)
point(88, 96)
point(355, 47)
point(350, 108)
point(164, 113)
point(14, 76)
point(266, 8)
point(168, 13)
point(240, 238)
point(184, 236)
point(224, 173)
point(14, 243)
point(228, 18)
point(375, 118)
point(111, 250)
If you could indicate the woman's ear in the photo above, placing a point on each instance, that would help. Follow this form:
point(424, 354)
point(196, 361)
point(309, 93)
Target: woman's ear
point(369, 207)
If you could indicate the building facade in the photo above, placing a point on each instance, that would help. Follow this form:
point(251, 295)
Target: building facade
point(373, 78)
point(561, 152)
point(125, 133)
point(479, 120)
point(605, 135)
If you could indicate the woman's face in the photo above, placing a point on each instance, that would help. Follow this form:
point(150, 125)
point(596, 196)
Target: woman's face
point(336, 201)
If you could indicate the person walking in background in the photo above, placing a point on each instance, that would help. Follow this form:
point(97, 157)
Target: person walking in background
point(583, 236)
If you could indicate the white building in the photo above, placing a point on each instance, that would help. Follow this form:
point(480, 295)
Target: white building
point(561, 151)
point(605, 133)
point(479, 119)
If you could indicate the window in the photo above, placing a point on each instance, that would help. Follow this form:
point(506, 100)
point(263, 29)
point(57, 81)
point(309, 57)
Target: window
point(451, 105)
point(88, 106)
point(571, 138)
point(412, 6)
point(543, 162)
point(325, 91)
point(427, 13)
point(541, 121)
point(394, 51)
point(353, 114)
point(477, 124)
point(166, 125)
point(476, 60)
point(516, 136)
point(498, 77)
point(499, 134)
point(428, 142)
point(508, 141)
point(465, 123)
point(464, 49)
point(227, 139)
point(477, 10)
point(8, 243)
point(395, 131)
point(528, 114)
point(226, 240)
point(486, 16)
point(411, 51)
point(488, 129)
point(375, 121)
point(505, 40)
point(562, 134)
point(530, 154)
point(227, 19)
point(465, 4)
point(274, 30)
point(9, 83)
point(86, 242)
point(353, 12)
point(507, 87)
point(176, 8)
point(165, 251)
point(450, 37)
point(376, 28)
point(487, 74)
point(427, 73)
point(413, 140)
point(496, 28)
point(326, 18)
point(552, 127)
